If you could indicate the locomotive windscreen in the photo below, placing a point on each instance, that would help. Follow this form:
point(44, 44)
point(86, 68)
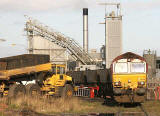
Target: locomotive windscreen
point(138, 67)
point(121, 68)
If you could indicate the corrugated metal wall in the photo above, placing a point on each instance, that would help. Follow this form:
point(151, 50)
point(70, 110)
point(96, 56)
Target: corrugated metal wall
point(57, 54)
point(113, 39)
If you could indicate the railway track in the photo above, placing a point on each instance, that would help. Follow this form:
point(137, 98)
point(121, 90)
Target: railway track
point(142, 113)
point(119, 113)
point(142, 108)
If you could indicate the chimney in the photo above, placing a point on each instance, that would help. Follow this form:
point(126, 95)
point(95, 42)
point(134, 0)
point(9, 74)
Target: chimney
point(85, 29)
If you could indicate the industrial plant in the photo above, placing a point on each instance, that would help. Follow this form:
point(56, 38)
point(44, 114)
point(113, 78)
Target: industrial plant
point(57, 45)
point(57, 66)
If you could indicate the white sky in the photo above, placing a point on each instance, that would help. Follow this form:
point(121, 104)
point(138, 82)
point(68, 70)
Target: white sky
point(140, 22)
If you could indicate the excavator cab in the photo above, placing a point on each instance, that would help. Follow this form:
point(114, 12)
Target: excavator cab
point(58, 69)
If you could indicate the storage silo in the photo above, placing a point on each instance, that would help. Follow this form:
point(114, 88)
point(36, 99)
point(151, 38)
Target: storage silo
point(113, 35)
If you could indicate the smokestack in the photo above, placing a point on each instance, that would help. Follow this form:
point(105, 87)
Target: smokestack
point(85, 29)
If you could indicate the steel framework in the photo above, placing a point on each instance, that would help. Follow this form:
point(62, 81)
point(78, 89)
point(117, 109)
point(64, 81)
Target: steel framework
point(34, 27)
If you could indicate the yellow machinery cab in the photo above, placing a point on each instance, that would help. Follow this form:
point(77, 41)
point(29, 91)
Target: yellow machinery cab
point(58, 81)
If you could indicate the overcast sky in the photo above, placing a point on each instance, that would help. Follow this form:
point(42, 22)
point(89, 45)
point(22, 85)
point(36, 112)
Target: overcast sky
point(141, 22)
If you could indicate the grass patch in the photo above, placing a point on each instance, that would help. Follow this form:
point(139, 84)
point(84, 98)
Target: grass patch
point(75, 106)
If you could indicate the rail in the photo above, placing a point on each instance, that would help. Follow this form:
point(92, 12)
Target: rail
point(141, 113)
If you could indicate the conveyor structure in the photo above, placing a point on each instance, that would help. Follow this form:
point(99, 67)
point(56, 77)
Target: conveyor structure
point(34, 28)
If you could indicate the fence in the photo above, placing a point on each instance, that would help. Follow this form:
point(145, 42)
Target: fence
point(157, 93)
point(153, 89)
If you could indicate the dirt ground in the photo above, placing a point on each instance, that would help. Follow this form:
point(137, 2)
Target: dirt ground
point(57, 106)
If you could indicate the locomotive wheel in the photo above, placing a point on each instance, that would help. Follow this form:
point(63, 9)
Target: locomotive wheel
point(67, 91)
point(16, 90)
point(33, 90)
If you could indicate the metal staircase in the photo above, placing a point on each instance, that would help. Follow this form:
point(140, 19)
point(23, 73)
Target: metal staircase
point(34, 27)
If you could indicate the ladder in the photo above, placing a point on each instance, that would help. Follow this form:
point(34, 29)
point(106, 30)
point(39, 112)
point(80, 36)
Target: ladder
point(34, 27)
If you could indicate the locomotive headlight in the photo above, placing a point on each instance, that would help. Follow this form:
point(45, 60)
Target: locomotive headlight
point(117, 83)
point(141, 83)
point(129, 81)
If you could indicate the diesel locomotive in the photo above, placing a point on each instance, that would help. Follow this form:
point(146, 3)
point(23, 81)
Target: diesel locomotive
point(125, 81)
point(129, 78)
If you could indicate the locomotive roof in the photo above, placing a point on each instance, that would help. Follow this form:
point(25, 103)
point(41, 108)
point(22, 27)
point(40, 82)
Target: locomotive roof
point(129, 55)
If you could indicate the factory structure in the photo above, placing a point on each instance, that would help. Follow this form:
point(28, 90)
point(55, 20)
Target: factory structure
point(86, 66)
point(65, 50)
point(113, 34)
point(57, 54)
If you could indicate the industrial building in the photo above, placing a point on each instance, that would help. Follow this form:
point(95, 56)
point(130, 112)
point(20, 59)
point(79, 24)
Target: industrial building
point(65, 50)
point(150, 57)
point(113, 34)
point(57, 54)
point(35, 28)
